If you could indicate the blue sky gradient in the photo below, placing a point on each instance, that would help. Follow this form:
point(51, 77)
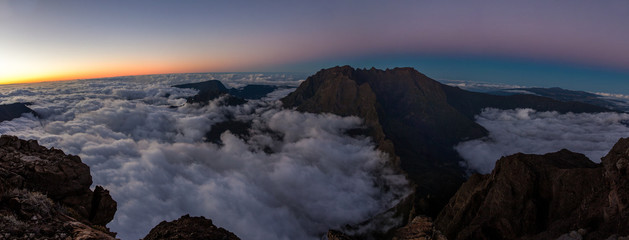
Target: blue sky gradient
point(572, 44)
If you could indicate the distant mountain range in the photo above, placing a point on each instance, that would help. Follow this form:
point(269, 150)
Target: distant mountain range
point(212, 89)
point(567, 96)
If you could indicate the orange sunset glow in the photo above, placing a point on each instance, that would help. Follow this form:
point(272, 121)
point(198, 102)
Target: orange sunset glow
point(68, 71)
point(65, 40)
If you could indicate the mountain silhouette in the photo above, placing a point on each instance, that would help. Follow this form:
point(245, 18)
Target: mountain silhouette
point(415, 119)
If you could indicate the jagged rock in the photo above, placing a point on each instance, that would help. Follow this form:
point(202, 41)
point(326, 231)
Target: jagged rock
point(543, 197)
point(103, 207)
point(46, 193)
point(420, 228)
point(188, 227)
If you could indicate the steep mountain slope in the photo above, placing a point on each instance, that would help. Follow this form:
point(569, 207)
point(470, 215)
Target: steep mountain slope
point(413, 117)
point(543, 196)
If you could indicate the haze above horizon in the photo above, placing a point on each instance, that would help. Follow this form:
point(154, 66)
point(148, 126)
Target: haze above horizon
point(579, 45)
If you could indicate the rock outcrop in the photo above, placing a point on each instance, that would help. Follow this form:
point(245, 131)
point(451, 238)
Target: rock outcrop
point(543, 197)
point(413, 117)
point(45, 193)
point(420, 228)
point(188, 227)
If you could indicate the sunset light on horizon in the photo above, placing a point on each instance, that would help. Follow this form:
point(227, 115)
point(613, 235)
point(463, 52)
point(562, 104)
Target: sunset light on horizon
point(64, 40)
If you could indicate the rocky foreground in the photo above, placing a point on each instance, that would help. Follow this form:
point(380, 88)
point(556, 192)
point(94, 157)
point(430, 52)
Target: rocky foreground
point(45, 193)
point(544, 197)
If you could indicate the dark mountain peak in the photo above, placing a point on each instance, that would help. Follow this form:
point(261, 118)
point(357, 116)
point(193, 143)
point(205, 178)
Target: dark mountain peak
point(210, 90)
point(14, 110)
point(407, 115)
point(346, 69)
point(206, 86)
point(415, 118)
point(37, 181)
point(364, 75)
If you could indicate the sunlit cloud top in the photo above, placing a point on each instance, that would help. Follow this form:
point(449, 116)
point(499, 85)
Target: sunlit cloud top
point(52, 40)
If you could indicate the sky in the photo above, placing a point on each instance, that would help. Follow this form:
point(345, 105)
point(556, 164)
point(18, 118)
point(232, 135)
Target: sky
point(572, 44)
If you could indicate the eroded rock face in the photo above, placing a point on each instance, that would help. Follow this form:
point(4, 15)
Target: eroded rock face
point(543, 197)
point(188, 227)
point(616, 179)
point(45, 193)
point(420, 228)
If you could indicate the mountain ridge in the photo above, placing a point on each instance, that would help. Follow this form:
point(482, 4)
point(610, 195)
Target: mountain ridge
point(413, 117)
point(529, 196)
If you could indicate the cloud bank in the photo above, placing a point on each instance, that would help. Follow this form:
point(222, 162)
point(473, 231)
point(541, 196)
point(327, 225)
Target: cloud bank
point(529, 131)
point(153, 159)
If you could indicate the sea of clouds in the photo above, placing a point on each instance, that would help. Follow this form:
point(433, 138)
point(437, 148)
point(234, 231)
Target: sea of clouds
point(529, 131)
point(146, 145)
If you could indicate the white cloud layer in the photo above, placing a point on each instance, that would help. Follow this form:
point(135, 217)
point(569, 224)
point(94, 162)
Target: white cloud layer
point(529, 131)
point(153, 159)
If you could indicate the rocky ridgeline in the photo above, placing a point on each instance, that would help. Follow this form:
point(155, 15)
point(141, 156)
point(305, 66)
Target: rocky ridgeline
point(45, 193)
point(557, 195)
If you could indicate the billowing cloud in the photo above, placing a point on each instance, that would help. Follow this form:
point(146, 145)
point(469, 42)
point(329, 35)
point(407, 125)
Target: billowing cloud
point(529, 131)
point(153, 159)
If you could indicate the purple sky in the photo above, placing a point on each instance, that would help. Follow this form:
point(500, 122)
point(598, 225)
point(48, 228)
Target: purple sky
point(74, 39)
